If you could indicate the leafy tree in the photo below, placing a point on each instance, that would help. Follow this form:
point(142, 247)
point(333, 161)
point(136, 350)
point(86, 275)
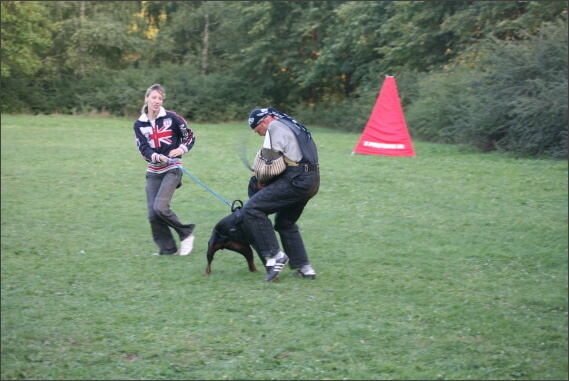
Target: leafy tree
point(274, 43)
point(95, 35)
point(26, 37)
point(189, 35)
point(348, 50)
point(414, 39)
point(504, 20)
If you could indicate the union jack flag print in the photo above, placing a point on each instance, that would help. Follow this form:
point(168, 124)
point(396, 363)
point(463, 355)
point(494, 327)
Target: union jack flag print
point(162, 134)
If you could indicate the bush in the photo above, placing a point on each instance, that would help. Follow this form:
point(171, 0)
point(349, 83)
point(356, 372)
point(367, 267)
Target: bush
point(434, 115)
point(349, 115)
point(532, 79)
point(513, 99)
point(215, 97)
point(112, 92)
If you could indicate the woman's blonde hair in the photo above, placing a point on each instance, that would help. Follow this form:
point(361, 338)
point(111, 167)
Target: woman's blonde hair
point(156, 87)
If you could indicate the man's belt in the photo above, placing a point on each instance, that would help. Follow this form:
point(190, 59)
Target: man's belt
point(306, 167)
point(310, 167)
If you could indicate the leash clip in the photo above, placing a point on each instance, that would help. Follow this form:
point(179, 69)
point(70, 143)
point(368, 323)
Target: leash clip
point(234, 207)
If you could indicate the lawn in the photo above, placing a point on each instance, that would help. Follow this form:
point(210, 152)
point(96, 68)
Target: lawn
point(447, 265)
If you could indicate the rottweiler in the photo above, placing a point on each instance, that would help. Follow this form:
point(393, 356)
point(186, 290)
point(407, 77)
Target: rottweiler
point(230, 234)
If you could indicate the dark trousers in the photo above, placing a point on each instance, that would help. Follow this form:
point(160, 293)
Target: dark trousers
point(286, 197)
point(160, 189)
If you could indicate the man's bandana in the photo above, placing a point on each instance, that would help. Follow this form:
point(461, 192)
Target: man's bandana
point(257, 115)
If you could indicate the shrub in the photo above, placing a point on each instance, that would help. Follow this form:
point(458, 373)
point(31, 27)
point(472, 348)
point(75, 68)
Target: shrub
point(513, 99)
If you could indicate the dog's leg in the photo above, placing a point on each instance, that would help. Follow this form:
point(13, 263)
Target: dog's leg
point(244, 250)
point(211, 250)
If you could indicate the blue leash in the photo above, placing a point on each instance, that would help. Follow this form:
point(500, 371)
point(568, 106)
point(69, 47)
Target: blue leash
point(206, 187)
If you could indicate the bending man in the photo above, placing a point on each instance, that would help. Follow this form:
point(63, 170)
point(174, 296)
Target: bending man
point(286, 195)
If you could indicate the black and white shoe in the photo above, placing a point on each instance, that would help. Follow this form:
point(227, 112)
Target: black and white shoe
point(274, 267)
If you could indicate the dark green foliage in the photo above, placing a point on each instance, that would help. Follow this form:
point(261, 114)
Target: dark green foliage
point(216, 97)
point(532, 77)
point(348, 116)
point(124, 96)
point(415, 38)
point(513, 99)
point(486, 74)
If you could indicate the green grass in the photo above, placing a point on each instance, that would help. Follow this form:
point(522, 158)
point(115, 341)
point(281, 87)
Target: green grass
point(448, 265)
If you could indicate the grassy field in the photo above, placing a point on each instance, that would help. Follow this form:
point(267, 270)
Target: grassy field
point(448, 265)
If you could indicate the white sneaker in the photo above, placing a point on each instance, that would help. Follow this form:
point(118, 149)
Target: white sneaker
point(307, 272)
point(187, 245)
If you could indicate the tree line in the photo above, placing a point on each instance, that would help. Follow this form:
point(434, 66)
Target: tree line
point(492, 75)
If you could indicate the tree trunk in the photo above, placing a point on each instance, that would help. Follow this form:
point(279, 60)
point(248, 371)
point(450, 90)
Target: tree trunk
point(81, 50)
point(205, 46)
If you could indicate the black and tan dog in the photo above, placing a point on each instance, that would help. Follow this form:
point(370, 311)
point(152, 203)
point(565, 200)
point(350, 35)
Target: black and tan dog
point(229, 234)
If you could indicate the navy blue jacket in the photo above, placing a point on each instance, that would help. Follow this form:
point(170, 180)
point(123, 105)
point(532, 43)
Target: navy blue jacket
point(169, 132)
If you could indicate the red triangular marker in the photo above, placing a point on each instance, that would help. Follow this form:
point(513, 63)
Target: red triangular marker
point(386, 131)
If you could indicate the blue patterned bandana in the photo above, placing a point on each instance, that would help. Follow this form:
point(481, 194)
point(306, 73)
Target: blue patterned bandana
point(260, 113)
point(257, 115)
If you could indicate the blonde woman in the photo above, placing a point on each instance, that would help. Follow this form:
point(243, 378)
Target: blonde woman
point(162, 138)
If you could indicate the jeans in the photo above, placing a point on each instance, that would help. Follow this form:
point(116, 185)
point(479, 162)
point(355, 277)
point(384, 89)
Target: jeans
point(287, 197)
point(160, 188)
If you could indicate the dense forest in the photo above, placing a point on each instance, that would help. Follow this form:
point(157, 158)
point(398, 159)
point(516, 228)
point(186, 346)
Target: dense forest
point(488, 75)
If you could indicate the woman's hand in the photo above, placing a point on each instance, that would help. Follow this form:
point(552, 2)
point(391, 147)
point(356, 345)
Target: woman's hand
point(175, 153)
